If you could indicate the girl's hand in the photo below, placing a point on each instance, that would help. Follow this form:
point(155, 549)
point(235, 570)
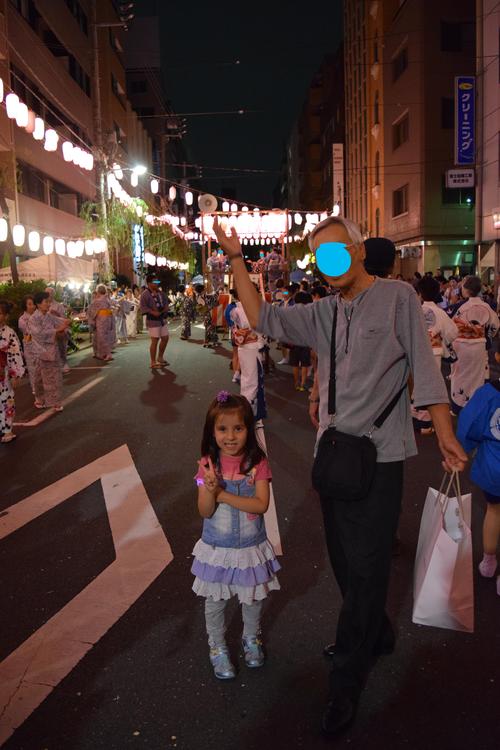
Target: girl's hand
point(210, 480)
point(231, 245)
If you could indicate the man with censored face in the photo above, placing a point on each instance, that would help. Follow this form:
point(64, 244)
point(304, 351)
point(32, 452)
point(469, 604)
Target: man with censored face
point(380, 338)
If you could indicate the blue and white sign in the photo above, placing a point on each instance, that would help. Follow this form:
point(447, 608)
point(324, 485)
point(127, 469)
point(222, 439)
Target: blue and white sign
point(138, 245)
point(465, 145)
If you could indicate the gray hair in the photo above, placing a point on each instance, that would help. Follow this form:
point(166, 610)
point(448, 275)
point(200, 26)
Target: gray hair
point(350, 227)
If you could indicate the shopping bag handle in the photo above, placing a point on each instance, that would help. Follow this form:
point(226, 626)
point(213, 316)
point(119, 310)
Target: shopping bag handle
point(453, 480)
point(445, 495)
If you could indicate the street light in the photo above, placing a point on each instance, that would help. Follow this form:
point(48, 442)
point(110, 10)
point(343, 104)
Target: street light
point(140, 169)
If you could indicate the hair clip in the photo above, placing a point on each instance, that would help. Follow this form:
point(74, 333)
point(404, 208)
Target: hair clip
point(222, 396)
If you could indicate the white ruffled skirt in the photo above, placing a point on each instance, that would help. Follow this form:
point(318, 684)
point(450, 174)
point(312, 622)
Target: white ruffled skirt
point(224, 572)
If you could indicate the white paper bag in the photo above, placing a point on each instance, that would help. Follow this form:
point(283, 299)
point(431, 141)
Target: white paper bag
point(443, 583)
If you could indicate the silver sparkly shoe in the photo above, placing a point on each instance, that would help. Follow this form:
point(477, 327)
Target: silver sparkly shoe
point(220, 661)
point(254, 653)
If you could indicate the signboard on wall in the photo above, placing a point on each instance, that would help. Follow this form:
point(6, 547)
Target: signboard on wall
point(459, 178)
point(338, 176)
point(465, 146)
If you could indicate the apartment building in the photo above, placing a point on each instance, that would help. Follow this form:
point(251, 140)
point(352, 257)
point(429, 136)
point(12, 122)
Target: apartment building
point(426, 45)
point(47, 60)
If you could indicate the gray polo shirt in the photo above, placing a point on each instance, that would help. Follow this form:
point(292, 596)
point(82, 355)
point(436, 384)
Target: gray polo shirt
point(384, 341)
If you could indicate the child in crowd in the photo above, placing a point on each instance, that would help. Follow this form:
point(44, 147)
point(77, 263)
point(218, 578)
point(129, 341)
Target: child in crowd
point(479, 427)
point(11, 369)
point(300, 356)
point(233, 556)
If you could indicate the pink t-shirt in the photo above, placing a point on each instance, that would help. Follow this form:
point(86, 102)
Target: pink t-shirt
point(230, 466)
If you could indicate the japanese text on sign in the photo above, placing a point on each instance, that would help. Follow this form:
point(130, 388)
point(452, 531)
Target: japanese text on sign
point(465, 92)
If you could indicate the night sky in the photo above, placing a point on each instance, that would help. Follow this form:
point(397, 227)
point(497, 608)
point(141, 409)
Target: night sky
point(279, 46)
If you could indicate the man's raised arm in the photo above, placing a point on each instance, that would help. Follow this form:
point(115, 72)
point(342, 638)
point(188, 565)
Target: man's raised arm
point(249, 296)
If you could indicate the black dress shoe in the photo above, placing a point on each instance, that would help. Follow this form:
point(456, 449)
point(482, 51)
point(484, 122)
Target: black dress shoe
point(339, 714)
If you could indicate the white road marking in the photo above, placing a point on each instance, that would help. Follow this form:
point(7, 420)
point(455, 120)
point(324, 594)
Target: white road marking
point(30, 673)
point(47, 413)
point(270, 517)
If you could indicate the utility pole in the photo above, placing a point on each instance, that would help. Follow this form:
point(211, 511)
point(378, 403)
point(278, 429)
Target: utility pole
point(479, 131)
point(100, 160)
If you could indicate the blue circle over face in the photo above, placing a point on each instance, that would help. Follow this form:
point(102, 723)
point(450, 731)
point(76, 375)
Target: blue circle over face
point(221, 252)
point(333, 258)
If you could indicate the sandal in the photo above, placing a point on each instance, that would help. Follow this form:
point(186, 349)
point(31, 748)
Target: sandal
point(8, 438)
point(58, 408)
point(155, 366)
point(39, 405)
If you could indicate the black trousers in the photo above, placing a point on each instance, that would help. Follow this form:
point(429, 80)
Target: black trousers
point(359, 537)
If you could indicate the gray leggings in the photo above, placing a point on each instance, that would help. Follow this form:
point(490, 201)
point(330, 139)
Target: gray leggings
point(215, 620)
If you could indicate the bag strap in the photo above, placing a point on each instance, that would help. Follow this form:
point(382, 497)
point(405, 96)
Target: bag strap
point(332, 385)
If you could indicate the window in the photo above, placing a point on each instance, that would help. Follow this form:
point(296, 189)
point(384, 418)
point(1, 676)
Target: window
point(457, 196)
point(31, 182)
point(117, 90)
point(79, 15)
point(139, 87)
point(376, 107)
point(399, 64)
point(447, 113)
point(400, 201)
point(377, 168)
point(78, 74)
point(451, 37)
point(400, 132)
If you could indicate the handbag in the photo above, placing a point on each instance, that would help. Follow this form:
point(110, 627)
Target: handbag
point(443, 588)
point(345, 464)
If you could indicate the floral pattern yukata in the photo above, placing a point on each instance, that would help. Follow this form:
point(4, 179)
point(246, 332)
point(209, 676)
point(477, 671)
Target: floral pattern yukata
point(11, 366)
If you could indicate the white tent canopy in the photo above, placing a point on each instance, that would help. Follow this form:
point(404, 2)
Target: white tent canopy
point(54, 269)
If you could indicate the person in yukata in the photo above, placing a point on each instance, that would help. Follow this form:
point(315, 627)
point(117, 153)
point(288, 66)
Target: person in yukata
point(11, 370)
point(131, 315)
point(188, 313)
point(23, 323)
point(100, 317)
point(58, 310)
point(46, 329)
point(477, 325)
point(215, 269)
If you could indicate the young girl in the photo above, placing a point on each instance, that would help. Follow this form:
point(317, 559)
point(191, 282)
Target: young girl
point(479, 427)
point(11, 369)
point(233, 556)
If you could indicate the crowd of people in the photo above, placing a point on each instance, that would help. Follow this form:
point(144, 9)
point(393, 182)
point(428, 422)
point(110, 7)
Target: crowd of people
point(362, 344)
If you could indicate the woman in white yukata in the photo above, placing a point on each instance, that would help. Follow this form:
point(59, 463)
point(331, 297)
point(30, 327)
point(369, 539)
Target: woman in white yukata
point(100, 317)
point(45, 333)
point(477, 324)
point(23, 323)
point(11, 369)
point(131, 315)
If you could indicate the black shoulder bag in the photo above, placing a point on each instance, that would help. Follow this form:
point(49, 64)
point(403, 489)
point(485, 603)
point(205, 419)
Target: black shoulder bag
point(344, 466)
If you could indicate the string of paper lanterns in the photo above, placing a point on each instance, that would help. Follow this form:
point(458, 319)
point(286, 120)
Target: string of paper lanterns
point(74, 248)
point(25, 118)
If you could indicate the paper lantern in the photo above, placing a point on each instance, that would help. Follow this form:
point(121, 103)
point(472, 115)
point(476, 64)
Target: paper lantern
point(18, 235)
point(234, 208)
point(67, 149)
point(30, 127)
point(71, 249)
point(88, 161)
point(39, 131)
point(48, 245)
point(80, 247)
point(76, 155)
point(172, 193)
point(89, 247)
point(225, 206)
point(22, 115)
point(60, 246)
point(118, 171)
point(154, 186)
point(51, 139)
point(1, 90)
point(34, 241)
point(336, 210)
point(4, 230)
point(188, 197)
point(183, 221)
point(12, 104)
point(298, 219)
point(244, 208)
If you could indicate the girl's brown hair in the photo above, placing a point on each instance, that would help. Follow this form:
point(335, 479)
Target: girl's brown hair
point(253, 453)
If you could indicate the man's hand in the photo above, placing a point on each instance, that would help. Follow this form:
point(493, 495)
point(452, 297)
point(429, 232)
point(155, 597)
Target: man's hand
point(453, 454)
point(231, 245)
point(313, 413)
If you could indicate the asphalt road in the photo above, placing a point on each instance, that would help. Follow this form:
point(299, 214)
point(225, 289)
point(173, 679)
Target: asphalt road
point(147, 682)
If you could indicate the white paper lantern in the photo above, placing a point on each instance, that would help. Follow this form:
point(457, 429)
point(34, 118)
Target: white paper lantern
point(22, 115)
point(4, 230)
point(154, 186)
point(89, 247)
point(336, 210)
point(34, 241)
point(67, 149)
point(183, 221)
point(188, 197)
point(234, 208)
point(298, 219)
point(80, 247)
point(39, 131)
point(48, 245)
point(76, 155)
point(225, 206)
point(18, 235)
point(51, 139)
point(172, 193)
point(30, 127)
point(244, 208)
point(134, 179)
point(1, 90)
point(71, 249)
point(60, 246)
point(12, 105)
